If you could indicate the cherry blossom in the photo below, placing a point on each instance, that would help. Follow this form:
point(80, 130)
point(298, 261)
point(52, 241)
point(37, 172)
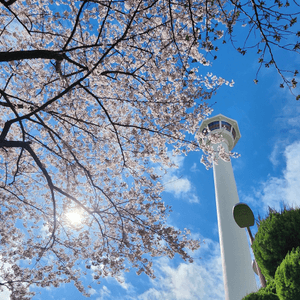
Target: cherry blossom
point(93, 94)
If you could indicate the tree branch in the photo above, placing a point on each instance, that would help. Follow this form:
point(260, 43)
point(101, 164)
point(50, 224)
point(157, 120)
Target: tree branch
point(31, 54)
point(7, 3)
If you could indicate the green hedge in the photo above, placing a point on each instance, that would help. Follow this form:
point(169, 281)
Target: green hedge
point(287, 276)
point(277, 235)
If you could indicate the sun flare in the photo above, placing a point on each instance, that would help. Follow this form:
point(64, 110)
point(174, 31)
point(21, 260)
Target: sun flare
point(74, 217)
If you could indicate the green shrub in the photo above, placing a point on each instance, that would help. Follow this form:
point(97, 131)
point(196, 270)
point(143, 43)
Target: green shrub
point(270, 288)
point(287, 276)
point(261, 296)
point(277, 235)
point(267, 293)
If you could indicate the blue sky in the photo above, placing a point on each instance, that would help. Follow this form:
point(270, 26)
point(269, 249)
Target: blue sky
point(266, 174)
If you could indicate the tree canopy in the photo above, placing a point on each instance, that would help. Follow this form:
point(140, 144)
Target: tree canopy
point(274, 239)
point(92, 95)
point(276, 250)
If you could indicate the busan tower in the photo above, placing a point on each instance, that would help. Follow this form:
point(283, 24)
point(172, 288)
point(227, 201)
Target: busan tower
point(239, 278)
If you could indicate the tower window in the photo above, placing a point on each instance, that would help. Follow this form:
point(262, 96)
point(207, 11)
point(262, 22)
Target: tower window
point(233, 133)
point(226, 125)
point(214, 125)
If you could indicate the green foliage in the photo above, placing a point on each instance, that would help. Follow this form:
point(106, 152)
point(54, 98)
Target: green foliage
point(270, 288)
point(287, 276)
point(261, 296)
point(277, 235)
point(267, 293)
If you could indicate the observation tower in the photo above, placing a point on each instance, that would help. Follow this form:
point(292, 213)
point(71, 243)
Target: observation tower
point(239, 278)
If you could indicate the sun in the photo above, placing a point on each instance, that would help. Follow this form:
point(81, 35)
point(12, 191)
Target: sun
point(74, 217)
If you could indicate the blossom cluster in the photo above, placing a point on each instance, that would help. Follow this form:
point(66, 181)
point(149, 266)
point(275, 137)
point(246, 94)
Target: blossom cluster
point(92, 95)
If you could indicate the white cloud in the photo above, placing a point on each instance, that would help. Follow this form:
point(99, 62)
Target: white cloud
point(122, 282)
point(194, 168)
point(117, 279)
point(176, 159)
point(292, 173)
point(274, 155)
point(92, 291)
point(104, 293)
point(290, 114)
point(177, 184)
point(194, 199)
point(202, 280)
point(287, 119)
point(285, 188)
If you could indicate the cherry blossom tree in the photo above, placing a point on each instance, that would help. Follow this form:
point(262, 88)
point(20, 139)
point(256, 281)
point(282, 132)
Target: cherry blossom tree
point(270, 28)
point(92, 95)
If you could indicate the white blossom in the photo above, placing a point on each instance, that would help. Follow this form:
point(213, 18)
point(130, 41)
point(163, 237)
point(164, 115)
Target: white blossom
point(92, 95)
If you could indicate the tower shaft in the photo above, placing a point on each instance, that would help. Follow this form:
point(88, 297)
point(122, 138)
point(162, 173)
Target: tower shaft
point(239, 278)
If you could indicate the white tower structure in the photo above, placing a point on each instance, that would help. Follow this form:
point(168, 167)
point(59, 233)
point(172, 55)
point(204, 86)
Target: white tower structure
point(239, 278)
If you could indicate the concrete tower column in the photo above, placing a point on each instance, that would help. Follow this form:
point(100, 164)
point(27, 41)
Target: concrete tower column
point(239, 278)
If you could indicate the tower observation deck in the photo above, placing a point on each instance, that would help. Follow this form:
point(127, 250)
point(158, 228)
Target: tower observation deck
point(227, 127)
